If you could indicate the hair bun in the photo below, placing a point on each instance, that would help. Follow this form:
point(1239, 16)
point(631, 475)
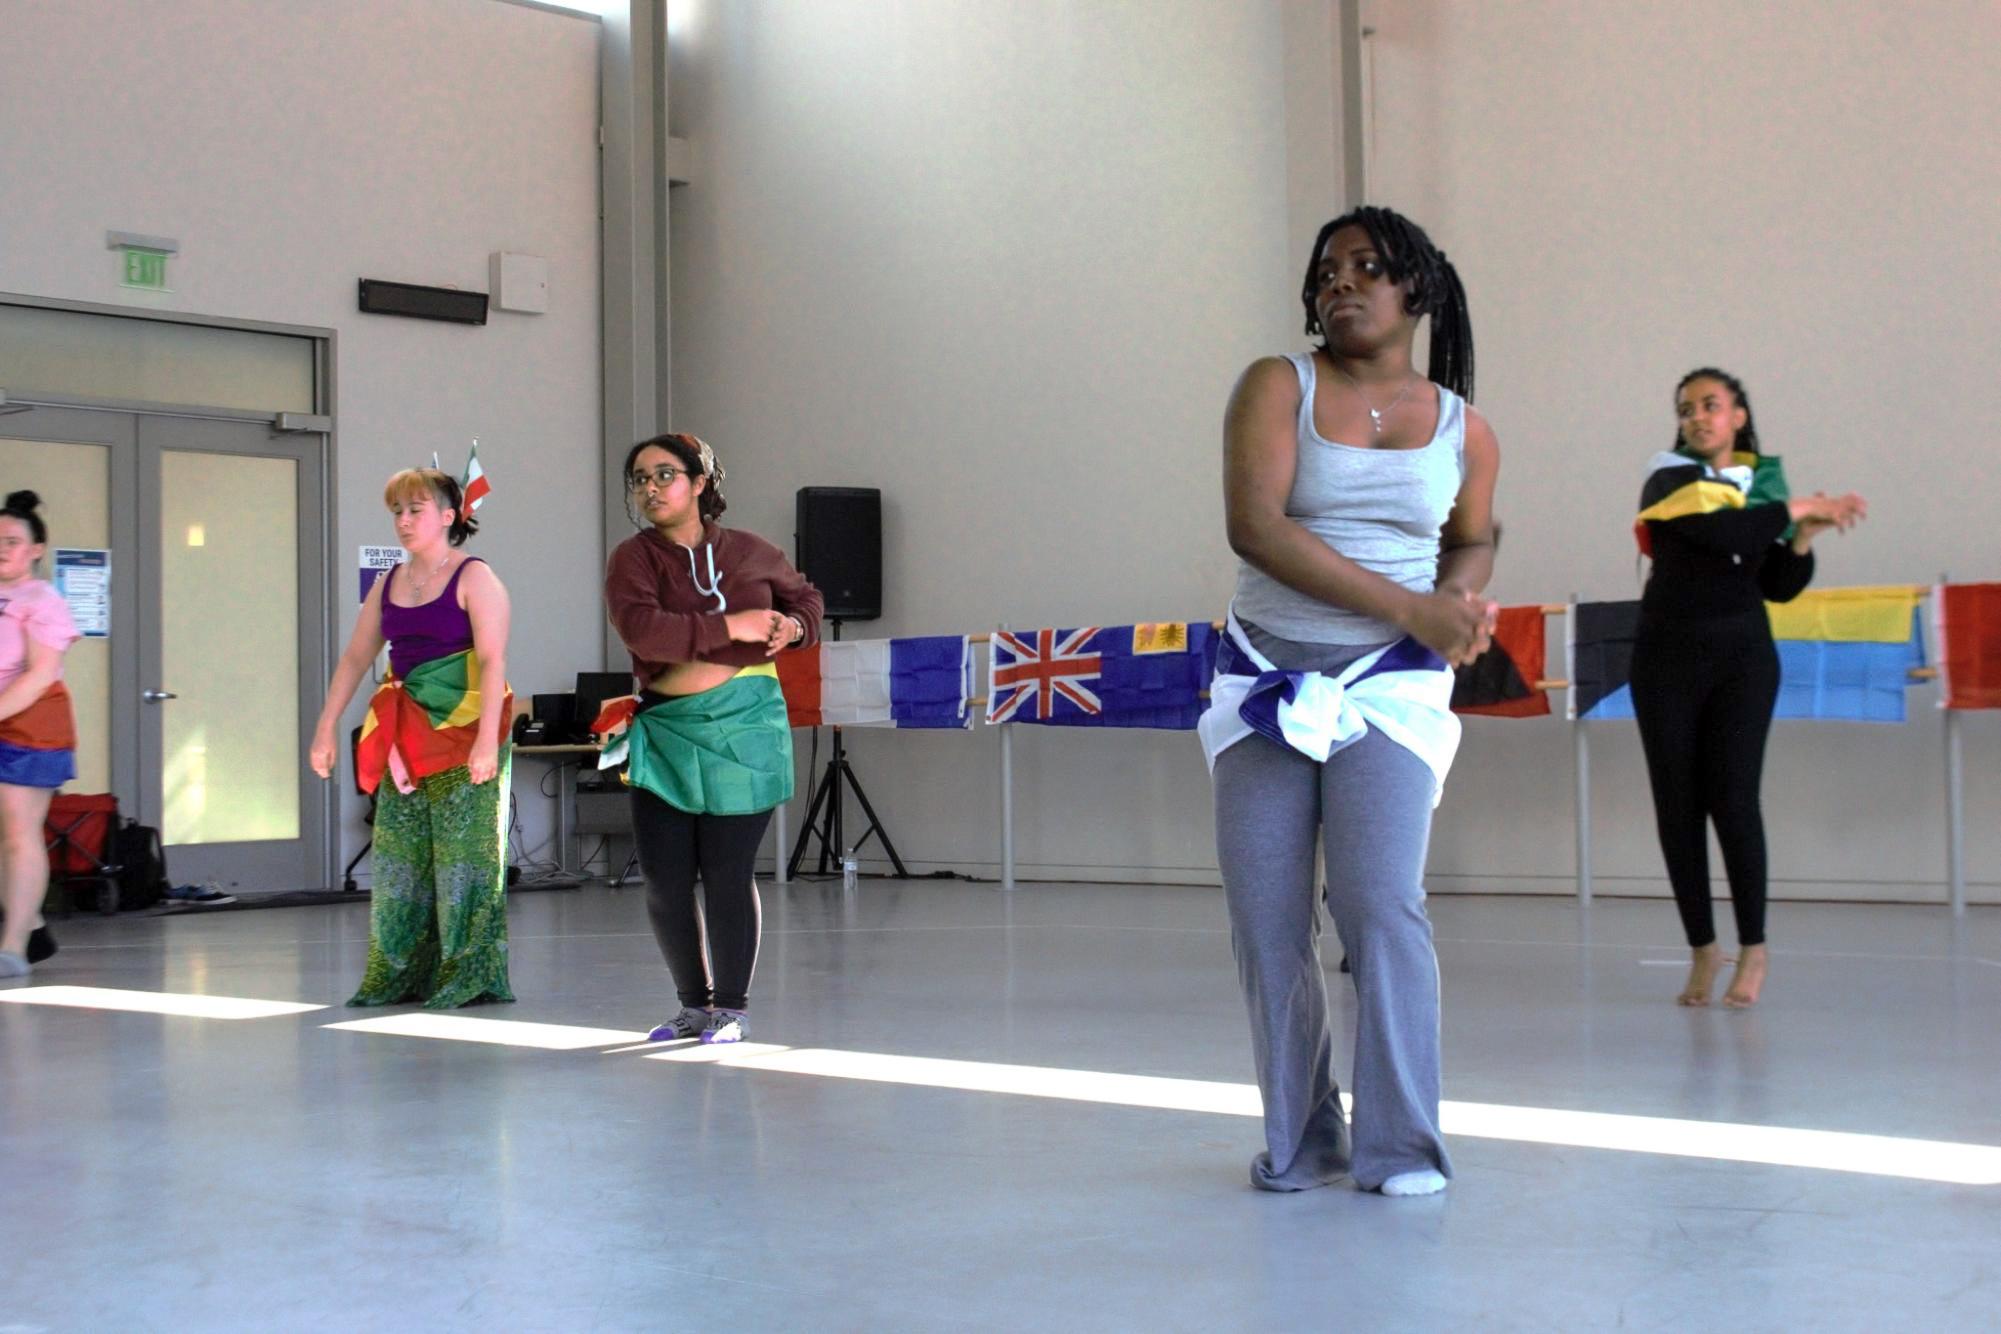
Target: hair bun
point(22, 500)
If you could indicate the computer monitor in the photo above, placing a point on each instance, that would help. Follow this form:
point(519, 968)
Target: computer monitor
point(593, 689)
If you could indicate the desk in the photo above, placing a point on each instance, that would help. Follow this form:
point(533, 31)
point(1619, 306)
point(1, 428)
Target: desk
point(566, 797)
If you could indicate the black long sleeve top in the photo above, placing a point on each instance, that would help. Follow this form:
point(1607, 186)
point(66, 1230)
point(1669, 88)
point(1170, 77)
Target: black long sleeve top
point(1726, 563)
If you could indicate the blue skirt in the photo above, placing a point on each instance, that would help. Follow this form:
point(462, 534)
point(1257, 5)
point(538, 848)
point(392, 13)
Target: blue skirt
point(22, 767)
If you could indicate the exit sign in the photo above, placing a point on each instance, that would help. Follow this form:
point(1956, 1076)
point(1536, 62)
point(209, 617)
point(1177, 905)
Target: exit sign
point(145, 269)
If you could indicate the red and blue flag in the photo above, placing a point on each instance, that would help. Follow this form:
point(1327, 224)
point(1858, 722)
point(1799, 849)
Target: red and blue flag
point(1151, 675)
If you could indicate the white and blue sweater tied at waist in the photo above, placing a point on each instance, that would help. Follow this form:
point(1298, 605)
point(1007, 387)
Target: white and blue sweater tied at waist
point(1403, 690)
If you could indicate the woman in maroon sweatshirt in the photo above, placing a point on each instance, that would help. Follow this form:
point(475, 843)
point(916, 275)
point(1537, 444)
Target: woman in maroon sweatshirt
point(703, 610)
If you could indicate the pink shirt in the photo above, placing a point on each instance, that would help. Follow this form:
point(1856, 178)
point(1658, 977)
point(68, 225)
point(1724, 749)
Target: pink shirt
point(32, 609)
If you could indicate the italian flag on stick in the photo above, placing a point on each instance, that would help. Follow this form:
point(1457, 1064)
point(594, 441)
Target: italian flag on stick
point(474, 484)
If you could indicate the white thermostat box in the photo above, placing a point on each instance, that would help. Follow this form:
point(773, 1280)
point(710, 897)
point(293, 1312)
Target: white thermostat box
point(518, 283)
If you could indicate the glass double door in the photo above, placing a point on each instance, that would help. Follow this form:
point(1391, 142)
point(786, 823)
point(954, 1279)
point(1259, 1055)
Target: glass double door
point(196, 692)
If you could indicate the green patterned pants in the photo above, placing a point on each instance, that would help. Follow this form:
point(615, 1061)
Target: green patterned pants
point(437, 928)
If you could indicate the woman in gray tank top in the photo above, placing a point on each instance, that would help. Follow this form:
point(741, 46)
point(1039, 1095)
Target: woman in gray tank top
point(1359, 496)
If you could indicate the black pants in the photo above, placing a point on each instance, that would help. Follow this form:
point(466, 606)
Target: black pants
point(710, 946)
point(1704, 691)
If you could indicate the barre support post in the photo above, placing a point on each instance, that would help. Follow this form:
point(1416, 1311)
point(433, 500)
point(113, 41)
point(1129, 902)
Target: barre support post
point(1955, 813)
point(1006, 797)
point(824, 818)
point(780, 871)
point(1581, 749)
point(1955, 779)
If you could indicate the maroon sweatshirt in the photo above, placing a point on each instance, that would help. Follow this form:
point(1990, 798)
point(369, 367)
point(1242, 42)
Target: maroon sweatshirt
point(664, 617)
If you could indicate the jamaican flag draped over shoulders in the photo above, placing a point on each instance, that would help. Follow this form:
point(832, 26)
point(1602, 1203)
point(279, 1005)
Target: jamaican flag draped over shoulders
point(1679, 485)
point(425, 723)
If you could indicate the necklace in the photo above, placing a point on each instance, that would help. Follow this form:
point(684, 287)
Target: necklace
point(417, 586)
point(1375, 417)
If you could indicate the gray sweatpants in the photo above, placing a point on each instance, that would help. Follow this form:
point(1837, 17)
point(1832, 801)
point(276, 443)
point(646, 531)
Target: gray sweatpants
point(1372, 803)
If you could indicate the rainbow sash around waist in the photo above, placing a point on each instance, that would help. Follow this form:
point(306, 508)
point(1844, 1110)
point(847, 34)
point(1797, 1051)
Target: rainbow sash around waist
point(423, 724)
point(724, 751)
point(38, 744)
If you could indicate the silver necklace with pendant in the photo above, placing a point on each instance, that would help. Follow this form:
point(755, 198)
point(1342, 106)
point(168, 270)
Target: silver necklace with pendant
point(1375, 417)
point(417, 586)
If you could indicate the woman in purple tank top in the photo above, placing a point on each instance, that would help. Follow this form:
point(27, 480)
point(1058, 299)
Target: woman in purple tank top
point(438, 905)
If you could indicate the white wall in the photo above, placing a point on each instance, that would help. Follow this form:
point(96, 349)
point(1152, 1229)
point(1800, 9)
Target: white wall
point(1796, 192)
point(1004, 262)
point(294, 146)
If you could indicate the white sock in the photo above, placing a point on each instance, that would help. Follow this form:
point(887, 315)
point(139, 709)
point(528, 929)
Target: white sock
point(1427, 1182)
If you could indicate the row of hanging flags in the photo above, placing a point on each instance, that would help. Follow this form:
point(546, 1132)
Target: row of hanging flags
point(1845, 654)
point(1154, 675)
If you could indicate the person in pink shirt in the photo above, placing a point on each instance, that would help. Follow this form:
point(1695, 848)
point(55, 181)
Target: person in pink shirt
point(37, 728)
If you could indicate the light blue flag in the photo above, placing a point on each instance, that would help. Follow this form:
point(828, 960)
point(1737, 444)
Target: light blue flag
point(1843, 681)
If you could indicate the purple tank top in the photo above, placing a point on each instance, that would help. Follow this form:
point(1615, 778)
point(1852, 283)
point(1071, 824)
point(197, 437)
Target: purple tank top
point(421, 634)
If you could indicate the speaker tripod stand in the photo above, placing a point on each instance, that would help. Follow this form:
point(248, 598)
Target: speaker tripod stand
point(824, 819)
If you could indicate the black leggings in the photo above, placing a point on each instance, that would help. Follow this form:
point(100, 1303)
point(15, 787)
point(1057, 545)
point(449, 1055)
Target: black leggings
point(711, 946)
point(1703, 692)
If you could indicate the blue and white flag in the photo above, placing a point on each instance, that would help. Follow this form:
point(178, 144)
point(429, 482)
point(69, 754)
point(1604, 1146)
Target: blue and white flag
point(1150, 675)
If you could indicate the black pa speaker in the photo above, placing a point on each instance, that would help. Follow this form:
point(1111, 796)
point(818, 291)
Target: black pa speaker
point(840, 548)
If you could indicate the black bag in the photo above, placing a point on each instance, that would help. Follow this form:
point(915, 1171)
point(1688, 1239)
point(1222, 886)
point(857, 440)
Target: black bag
point(142, 866)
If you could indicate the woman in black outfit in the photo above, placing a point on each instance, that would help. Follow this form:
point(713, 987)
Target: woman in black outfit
point(1725, 539)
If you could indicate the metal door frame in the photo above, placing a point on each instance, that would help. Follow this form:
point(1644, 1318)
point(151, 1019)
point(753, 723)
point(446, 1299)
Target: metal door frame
point(325, 809)
point(158, 436)
point(117, 432)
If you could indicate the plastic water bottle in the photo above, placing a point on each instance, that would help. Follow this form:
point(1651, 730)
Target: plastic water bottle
point(850, 868)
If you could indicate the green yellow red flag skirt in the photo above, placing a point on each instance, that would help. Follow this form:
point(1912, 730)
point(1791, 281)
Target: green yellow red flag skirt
point(437, 929)
point(425, 723)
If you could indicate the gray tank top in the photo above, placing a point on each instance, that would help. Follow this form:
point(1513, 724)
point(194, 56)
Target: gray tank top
point(1381, 508)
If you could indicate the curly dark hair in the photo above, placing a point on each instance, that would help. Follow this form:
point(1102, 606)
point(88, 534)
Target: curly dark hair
point(688, 449)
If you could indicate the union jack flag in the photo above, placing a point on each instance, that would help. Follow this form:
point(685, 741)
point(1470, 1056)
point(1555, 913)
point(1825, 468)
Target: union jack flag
point(1039, 671)
point(1102, 676)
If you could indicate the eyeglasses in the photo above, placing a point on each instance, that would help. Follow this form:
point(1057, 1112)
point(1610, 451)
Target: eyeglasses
point(662, 477)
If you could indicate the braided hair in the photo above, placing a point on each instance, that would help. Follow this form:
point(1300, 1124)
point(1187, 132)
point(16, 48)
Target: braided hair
point(697, 459)
point(1431, 287)
point(1747, 439)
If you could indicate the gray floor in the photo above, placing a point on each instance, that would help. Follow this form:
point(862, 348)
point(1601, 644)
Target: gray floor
point(177, 1173)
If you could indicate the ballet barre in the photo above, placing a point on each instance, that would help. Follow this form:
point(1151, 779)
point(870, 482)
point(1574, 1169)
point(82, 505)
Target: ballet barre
point(1581, 767)
point(1955, 790)
point(1581, 758)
